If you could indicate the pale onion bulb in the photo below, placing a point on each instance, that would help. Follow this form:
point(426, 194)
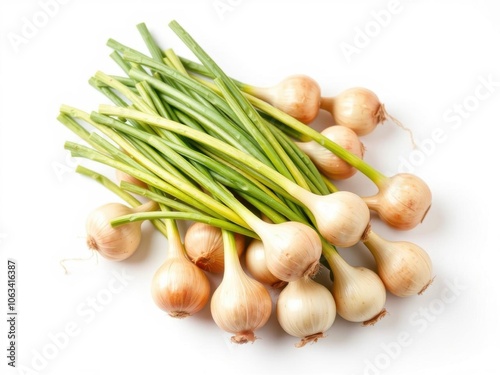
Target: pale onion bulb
point(402, 201)
point(404, 267)
point(356, 108)
point(359, 292)
point(179, 287)
point(298, 95)
point(240, 305)
point(255, 264)
point(326, 161)
point(341, 217)
point(305, 309)
point(122, 176)
point(119, 242)
point(292, 249)
point(204, 246)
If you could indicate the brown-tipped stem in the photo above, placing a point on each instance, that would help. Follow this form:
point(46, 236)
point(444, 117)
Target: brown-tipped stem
point(310, 339)
point(375, 319)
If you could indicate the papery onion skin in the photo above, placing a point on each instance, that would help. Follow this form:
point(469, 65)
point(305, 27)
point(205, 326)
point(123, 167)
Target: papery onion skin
point(255, 262)
point(297, 95)
point(326, 161)
point(402, 201)
point(358, 109)
point(342, 217)
point(241, 305)
point(360, 301)
point(292, 249)
point(305, 309)
point(204, 246)
point(180, 288)
point(359, 293)
point(113, 243)
point(404, 267)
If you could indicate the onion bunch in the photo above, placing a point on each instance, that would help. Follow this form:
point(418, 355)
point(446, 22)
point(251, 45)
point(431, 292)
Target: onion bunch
point(256, 185)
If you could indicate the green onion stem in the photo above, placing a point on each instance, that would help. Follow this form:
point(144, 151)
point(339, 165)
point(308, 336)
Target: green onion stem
point(236, 179)
point(374, 175)
point(216, 189)
point(304, 164)
point(155, 51)
point(186, 81)
point(107, 183)
point(158, 197)
point(246, 111)
point(117, 58)
point(213, 143)
point(191, 196)
point(213, 120)
point(358, 163)
point(178, 215)
point(100, 144)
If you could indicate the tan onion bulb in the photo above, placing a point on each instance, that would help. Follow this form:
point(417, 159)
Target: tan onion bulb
point(205, 248)
point(359, 292)
point(402, 201)
point(326, 161)
point(255, 262)
point(240, 305)
point(297, 95)
point(356, 108)
point(404, 267)
point(305, 309)
point(292, 249)
point(341, 217)
point(179, 287)
point(122, 176)
point(119, 242)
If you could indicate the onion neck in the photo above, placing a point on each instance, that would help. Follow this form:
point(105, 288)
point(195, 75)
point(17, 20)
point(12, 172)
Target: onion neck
point(308, 148)
point(337, 264)
point(262, 93)
point(373, 201)
point(326, 104)
point(232, 265)
point(175, 246)
point(146, 207)
point(375, 243)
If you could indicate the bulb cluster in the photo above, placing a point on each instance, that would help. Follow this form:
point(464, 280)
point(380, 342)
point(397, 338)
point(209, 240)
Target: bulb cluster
point(264, 212)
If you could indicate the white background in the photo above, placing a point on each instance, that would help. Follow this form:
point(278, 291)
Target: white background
point(427, 61)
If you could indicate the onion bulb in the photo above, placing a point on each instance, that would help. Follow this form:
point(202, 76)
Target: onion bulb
point(341, 217)
point(405, 268)
point(115, 243)
point(298, 95)
point(402, 201)
point(255, 262)
point(305, 309)
point(205, 248)
point(356, 108)
point(326, 161)
point(359, 292)
point(240, 305)
point(179, 287)
point(292, 249)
